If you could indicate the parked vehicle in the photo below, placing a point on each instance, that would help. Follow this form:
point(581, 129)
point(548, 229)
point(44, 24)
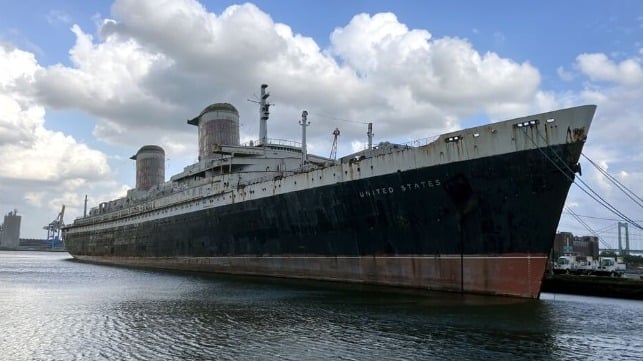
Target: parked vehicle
point(570, 265)
point(610, 266)
point(586, 265)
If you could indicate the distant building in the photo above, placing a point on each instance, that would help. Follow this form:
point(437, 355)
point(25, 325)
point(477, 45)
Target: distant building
point(34, 244)
point(10, 231)
point(566, 244)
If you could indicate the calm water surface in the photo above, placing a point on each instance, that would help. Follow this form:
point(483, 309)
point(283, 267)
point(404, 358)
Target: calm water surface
point(53, 308)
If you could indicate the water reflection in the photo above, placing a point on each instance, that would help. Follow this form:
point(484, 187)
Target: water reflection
point(70, 310)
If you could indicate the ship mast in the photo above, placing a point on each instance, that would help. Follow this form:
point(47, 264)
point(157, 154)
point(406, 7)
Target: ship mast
point(333, 149)
point(370, 135)
point(304, 123)
point(263, 115)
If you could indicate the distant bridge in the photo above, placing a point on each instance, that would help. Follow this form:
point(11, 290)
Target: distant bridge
point(618, 251)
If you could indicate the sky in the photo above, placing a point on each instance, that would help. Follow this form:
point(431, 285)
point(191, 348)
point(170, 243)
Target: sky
point(85, 84)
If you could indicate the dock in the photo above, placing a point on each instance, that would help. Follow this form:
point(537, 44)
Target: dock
point(630, 286)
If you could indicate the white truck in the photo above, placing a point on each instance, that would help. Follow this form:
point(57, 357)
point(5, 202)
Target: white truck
point(569, 265)
point(610, 266)
point(586, 265)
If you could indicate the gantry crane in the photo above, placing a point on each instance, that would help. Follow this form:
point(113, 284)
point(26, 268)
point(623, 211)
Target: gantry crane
point(53, 230)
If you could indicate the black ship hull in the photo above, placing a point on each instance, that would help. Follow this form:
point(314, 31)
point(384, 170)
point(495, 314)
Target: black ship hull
point(483, 225)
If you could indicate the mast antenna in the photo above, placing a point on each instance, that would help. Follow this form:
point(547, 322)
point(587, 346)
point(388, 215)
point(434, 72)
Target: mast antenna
point(304, 123)
point(333, 150)
point(264, 114)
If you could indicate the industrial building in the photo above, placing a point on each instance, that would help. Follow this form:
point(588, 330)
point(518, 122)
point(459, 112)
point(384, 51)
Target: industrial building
point(566, 244)
point(10, 231)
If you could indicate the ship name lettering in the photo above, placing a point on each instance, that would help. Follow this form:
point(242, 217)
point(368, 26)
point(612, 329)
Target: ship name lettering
point(407, 187)
point(431, 183)
point(376, 191)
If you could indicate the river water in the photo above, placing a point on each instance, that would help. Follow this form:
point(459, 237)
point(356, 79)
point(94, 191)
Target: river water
point(54, 308)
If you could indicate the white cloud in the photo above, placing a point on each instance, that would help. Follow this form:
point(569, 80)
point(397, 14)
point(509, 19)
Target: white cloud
point(424, 82)
point(618, 100)
point(34, 198)
point(369, 44)
point(37, 163)
point(564, 74)
point(600, 68)
point(140, 77)
point(614, 141)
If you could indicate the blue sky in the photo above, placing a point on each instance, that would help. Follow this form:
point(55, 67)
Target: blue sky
point(86, 84)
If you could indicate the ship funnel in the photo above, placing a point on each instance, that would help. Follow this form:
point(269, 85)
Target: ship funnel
point(218, 125)
point(150, 167)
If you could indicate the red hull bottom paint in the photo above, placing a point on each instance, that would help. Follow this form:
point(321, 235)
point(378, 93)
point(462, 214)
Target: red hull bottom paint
point(517, 275)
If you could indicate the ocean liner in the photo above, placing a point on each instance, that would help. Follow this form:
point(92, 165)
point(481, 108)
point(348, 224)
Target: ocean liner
point(471, 211)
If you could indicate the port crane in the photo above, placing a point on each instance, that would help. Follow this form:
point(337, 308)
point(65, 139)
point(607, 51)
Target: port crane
point(53, 230)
